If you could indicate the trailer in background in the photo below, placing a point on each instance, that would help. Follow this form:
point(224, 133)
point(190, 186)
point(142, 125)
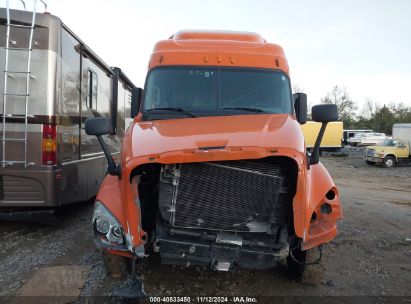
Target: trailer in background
point(52, 82)
point(402, 131)
point(333, 135)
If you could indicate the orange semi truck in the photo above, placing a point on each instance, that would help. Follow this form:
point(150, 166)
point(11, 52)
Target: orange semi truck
point(214, 170)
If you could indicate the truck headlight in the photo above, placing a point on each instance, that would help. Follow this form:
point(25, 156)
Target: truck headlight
point(106, 225)
point(102, 224)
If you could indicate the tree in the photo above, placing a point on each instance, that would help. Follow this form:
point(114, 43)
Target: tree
point(401, 112)
point(346, 106)
point(369, 109)
point(383, 120)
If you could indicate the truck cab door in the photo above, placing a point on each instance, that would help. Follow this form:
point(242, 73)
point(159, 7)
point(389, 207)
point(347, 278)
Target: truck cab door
point(402, 149)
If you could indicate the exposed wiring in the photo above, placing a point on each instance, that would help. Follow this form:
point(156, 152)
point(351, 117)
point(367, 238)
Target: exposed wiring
point(329, 247)
point(320, 248)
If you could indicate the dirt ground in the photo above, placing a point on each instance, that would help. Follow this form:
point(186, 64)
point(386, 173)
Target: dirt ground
point(371, 255)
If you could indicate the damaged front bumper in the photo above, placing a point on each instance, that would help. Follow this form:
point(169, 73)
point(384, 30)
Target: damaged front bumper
point(221, 251)
point(216, 256)
point(120, 249)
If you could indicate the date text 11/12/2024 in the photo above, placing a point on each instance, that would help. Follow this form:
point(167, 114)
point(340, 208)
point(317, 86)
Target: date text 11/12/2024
point(203, 299)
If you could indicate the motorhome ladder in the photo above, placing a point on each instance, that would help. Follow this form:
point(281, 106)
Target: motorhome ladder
point(18, 96)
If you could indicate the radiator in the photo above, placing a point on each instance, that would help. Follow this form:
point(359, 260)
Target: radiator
point(240, 196)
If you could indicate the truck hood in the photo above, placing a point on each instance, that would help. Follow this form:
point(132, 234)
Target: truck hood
point(260, 130)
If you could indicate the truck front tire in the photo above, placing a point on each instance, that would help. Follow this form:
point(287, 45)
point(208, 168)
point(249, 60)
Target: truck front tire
point(389, 162)
point(296, 262)
point(117, 266)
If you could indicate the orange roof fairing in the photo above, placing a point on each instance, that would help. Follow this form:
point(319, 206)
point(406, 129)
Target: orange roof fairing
point(218, 48)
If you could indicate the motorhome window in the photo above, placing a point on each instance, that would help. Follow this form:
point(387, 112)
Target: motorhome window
point(215, 91)
point(92, 87)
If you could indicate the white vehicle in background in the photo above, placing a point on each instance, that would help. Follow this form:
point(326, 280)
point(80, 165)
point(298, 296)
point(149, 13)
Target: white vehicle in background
point(347, 134)
point(367, 139)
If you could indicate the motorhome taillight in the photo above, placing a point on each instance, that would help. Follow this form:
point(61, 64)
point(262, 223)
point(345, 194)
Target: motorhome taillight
point(49, 145)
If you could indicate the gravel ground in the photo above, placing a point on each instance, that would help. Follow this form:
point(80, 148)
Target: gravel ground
point(371, 255)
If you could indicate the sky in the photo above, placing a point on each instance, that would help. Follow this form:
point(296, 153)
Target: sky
point(362, 45)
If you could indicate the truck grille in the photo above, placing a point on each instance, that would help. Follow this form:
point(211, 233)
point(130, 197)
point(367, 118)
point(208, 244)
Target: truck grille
point(369, 152)
point(230, 196)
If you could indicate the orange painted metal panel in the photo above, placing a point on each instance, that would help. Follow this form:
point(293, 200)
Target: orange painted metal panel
point(243, 137)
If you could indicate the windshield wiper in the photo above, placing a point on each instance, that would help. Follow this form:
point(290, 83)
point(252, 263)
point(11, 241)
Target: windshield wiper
point(257, 110)
point(172, 109)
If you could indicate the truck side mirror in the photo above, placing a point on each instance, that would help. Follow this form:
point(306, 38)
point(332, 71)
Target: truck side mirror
point(323, 113)
point(100, 126)
point(300, 106)
point(136, 97)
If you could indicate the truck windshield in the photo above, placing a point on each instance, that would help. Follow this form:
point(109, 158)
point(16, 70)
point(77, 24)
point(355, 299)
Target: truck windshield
point(177, 92)
point(389, 143)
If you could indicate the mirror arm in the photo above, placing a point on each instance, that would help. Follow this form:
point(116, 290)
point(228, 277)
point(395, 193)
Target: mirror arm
point(315, 155)
point(114, 100)
point(112, 167)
